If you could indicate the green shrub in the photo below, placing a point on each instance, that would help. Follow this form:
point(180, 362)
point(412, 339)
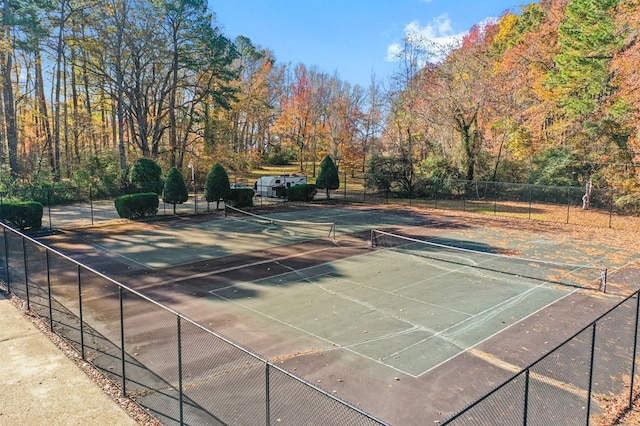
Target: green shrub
point(304, 192)
point(175, 190)
point(146, 176)
point(328, 175)
point(628, 204)
point(279, 159)
point(240, 197)
point(137, 205)
point(22, 215)
point(217, 185)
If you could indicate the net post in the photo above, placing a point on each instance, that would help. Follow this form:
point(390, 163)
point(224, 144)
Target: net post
point(372, 238)
point(225, 210)
point(603, 280)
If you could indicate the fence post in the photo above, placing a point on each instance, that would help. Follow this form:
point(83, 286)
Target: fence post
point(530, 200)
point(593, 351)
point(611, 207)
point(91, 202)
point(122, 351)
point(635, 352)
point(525, 408)
point(26, 273)
point(48, 263)
point(80, 312)
point(267, 395)
point(6, 258)
point(49, 207)
point(568, 203)
point(364, 190)
point(180, 370)
point(345, 184)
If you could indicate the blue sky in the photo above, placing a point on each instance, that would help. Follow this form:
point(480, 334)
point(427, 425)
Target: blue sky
point(350, 37)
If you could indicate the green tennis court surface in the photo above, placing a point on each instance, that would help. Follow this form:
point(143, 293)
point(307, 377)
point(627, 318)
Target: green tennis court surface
point(400, 310)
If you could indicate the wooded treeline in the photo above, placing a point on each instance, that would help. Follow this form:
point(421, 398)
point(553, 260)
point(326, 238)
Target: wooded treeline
point(547, 94)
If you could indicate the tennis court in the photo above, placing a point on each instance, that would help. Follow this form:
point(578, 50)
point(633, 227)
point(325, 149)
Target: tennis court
point(380, 325)
point(402, 311)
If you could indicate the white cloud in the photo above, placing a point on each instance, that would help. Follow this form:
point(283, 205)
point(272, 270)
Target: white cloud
point(437, 36)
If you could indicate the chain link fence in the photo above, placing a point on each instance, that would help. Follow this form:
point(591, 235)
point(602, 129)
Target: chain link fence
point(582, 381)
point(181, 372)
point(67, 206)
point(604, 208)
point(184, 373)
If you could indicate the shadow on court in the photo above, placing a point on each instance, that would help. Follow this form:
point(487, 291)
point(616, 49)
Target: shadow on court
point(408, 338)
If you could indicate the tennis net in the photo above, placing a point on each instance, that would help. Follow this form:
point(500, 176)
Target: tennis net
point(583, 276)
point(295, 227)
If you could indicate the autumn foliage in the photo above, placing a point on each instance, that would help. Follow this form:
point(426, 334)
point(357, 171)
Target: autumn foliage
point(548, 92)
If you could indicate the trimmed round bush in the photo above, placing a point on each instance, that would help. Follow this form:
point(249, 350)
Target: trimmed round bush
point(175, 190)
point(240, 197)
point(304, 192)
point(217, 185)
point(134, 206)
point(22, 215)
point(328, 175)
point(146, 176)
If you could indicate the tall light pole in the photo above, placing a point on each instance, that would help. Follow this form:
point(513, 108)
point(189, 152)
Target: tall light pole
point(193, 182)
point(193, 172)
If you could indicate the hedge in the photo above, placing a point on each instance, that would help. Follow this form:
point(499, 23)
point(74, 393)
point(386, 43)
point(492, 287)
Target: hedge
point(22, 215)
point(137, 205)
point(240, 197)
point(304, 192)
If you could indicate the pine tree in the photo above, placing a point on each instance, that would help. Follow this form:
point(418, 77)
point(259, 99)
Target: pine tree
point(217, 186)
point(175, 189)
point(328, 175)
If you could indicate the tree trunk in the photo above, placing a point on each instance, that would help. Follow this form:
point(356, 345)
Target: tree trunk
point(44, 117)
point(9, 103)
point(173, 123)
point(56, 105)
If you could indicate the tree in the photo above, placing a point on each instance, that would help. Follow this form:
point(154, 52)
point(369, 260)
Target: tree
point(217, 186)
point(457, 92)
point(175, 190)
point(328, 175)
point(587, 40)
point(21, 29)
point(146, 176)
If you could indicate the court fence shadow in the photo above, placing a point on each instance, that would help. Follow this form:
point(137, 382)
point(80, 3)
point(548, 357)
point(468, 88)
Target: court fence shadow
point(179, 371)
